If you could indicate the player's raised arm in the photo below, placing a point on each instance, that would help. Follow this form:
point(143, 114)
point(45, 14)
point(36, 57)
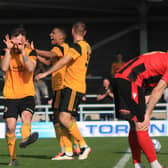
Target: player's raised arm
point(58, 65)
point(44, 60)
point(48, 54)
point(29, 64)
point(6, 59)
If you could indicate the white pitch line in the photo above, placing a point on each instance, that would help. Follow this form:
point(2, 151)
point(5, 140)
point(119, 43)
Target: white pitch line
point(123, 161)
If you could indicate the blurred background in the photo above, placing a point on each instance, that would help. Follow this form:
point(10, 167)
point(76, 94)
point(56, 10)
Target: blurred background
point(130, 26)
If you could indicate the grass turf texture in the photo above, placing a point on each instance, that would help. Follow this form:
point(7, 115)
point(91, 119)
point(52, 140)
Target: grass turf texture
point(106, 152)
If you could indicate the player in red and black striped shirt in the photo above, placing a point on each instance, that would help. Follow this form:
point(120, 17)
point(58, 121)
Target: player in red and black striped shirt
point(141, 76)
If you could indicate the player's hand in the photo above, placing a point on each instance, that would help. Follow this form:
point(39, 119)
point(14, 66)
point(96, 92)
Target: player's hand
point(29, 45)
point(32, 45)
point(108, 91)
point(40, 76)
point(144, 126)
point(8, 42)
point(147, 120)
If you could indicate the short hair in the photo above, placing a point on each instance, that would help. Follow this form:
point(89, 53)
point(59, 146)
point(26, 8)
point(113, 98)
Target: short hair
point(62, 31)
point(79, 28)
point(17, 31)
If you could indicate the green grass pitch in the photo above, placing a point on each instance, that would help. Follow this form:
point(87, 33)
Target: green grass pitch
point(106, 152)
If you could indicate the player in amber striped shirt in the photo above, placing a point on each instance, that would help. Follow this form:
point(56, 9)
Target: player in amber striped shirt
point(74, 84)
point(59, 49)
point(18, 63)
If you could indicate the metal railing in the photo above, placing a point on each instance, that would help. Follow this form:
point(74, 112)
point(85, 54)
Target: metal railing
point(96, 109)
point(92, 109)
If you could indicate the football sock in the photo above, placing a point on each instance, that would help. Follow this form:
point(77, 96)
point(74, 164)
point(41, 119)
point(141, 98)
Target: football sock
point(58, 132)
point(135, 148)
point(75, 142)
point(138, 165)
point(76, 146)
point(11, 141)
point(146, 145)
point(155, 164)
point(25, 130)
point(74, 131)
point(67, 142)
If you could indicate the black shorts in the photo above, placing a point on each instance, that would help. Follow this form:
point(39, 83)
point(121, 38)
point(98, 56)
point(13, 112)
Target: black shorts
point(15, 107)
point(129, 100)
point(56, 100)
point(70, 100)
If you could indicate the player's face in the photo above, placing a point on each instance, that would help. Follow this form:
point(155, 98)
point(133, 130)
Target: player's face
point(18, 43)
point(106, 83)
point(54, 36)
point(73, 32)
point(119, 57)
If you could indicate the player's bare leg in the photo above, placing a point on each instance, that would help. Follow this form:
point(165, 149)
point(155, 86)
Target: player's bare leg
point(67, 120)
point(146, 145)
point(11, 140)
point(27, 137)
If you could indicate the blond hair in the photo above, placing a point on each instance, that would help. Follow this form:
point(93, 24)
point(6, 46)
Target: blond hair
point(79, 28)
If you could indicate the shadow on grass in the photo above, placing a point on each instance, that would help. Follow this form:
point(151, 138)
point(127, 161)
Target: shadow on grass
point(2, 163)
point(35, 156)
point(162, 153)
point(122, 152)
point(4, 155)
point(28, 156)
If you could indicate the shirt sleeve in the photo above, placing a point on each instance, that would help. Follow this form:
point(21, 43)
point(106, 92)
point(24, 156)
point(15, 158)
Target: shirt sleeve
point(58, 51)
point(75, 51)
point(165, 77)
point(33, 56)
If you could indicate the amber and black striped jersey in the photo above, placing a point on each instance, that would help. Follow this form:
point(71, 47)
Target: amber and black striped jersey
point(75, 76)
point(58, 76)
point(146, 70)
point(18, 80)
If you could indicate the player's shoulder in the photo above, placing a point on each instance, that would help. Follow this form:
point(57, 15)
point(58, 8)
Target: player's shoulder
point(30, 52)
point(57, 48)
point(84, 43)
point(87, 46)
point(65, 44)
point(79, 45)
point(76, 46)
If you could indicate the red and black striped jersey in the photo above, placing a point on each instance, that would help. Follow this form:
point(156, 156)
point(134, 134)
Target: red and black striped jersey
point(146, 70)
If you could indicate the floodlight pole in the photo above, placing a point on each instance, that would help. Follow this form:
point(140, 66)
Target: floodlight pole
point(143, 33)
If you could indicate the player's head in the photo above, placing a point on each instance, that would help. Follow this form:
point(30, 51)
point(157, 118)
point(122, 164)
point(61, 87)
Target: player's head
point(18, 31)
point(106, 82)
point(79, 28)
point(57, 36)
point(119, 56)
point(18, 38)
